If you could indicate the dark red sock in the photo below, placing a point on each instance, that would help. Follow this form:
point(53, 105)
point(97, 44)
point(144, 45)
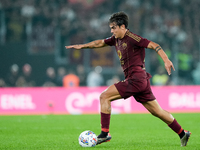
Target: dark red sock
point(175, 126)
point(105, 122)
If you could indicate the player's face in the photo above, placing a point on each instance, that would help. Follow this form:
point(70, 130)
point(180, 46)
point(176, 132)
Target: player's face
point(116, 30)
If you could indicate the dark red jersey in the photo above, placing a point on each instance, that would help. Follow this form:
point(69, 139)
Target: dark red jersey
point(131, 52)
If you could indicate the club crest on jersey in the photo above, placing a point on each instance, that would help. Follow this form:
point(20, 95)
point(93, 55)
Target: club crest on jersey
point(119, 54)
point(124, 45)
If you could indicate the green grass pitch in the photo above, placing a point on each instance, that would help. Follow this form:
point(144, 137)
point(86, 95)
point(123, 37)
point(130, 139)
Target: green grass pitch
point(129, 132)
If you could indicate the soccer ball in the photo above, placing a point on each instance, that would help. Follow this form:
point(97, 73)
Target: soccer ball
point(87, 139)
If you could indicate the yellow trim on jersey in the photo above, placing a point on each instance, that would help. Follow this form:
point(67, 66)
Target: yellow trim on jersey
point(133, 36)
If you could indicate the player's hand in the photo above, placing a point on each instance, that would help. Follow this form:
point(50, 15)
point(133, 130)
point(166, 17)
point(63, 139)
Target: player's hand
point(168, 66)
point(74, 46)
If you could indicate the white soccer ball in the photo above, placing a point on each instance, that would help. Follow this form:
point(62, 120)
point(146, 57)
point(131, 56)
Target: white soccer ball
point(87, 139)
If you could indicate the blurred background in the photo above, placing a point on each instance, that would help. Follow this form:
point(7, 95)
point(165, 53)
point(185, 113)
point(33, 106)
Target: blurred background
point(34, 33)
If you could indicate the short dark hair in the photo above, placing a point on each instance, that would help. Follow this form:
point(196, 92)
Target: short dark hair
point(119, 18)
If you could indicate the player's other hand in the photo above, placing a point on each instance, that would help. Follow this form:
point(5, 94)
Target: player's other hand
point(74, 46)
point(168, 66)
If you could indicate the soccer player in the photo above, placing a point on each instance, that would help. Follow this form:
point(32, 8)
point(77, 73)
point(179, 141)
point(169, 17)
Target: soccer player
point(131, 51)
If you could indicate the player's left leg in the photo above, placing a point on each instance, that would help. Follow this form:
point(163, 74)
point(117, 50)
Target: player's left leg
point(154, 108)
point(110, 94)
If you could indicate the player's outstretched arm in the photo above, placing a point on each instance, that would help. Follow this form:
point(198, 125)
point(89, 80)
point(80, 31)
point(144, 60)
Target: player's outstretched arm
point(93, 44)
point(163, 55)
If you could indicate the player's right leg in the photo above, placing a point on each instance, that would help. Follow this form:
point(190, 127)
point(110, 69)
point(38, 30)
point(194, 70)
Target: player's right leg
point(154, 108)
point(110, 94)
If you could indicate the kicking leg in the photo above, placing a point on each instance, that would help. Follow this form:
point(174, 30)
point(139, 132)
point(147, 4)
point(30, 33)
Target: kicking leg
point(154, 108)
point(110, 94)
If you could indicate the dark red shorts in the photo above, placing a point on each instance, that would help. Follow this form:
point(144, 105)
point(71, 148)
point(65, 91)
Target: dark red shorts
point(139, 89)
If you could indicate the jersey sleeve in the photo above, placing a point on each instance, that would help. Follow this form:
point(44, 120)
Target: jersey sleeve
point(110, 41)
point(143, 42)
point(139, 41)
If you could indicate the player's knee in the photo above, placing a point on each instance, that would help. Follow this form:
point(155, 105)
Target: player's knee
point(158, 113)
point(155, 114)
point(103, 97)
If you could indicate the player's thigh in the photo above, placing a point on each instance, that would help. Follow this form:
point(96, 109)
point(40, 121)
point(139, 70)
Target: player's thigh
point(110, 94)
point(153, 107)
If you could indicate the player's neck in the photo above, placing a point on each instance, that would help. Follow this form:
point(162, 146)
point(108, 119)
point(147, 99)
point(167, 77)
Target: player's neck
point(123, 34)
